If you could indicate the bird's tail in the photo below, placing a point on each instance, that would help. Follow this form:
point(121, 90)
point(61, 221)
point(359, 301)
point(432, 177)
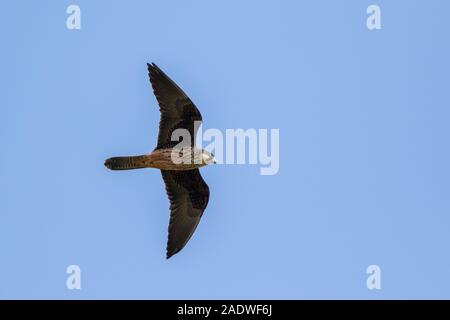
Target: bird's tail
point(126, 163)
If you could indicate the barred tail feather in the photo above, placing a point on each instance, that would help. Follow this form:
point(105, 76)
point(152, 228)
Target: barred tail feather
point(126, 163)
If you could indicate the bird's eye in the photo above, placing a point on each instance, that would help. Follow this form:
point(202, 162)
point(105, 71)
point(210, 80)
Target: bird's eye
point(212, 155)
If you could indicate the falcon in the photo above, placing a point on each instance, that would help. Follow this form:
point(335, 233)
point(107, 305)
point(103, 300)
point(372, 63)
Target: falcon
point(187, 191)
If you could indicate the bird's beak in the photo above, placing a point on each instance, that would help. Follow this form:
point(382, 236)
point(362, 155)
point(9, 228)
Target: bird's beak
point(214, 161)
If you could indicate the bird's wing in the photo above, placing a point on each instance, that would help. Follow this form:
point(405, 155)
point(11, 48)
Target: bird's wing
point(188, 194)
point(177, 110)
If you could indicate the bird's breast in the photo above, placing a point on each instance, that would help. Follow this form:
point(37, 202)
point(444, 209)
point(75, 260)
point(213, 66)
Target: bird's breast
point(175, 159)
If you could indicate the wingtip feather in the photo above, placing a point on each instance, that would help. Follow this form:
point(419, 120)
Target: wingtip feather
point(170, 254)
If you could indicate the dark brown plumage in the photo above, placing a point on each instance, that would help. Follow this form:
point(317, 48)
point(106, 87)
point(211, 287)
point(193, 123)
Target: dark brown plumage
point(188, 195)
point(177, 110)
point(187, 191)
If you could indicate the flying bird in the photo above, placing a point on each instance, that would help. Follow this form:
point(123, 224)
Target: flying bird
point(187, 191)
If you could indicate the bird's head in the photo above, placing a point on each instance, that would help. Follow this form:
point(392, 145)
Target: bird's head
point(207, 158)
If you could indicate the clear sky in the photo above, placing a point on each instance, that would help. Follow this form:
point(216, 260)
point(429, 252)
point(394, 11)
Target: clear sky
point(364, 174)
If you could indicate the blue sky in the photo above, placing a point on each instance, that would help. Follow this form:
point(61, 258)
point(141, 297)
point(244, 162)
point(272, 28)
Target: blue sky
point(364, 158)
